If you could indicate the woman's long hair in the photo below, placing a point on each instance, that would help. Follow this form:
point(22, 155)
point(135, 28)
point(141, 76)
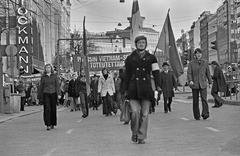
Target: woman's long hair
point(45, 71)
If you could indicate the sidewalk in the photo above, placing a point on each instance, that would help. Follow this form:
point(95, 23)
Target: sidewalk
point(28, 110)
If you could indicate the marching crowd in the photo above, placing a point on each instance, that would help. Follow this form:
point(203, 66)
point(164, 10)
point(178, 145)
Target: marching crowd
point(134, 90)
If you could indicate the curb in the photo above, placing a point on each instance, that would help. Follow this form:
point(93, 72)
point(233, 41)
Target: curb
point(182, 92)
point(26, 114)
point(20, 115)
point(227, 102)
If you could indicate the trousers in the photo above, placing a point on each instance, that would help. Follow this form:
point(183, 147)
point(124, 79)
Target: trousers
point(50, 109)
point(203, 95)
point(139, 117)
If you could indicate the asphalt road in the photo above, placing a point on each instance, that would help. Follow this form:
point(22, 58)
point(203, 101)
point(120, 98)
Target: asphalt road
point(172, 134)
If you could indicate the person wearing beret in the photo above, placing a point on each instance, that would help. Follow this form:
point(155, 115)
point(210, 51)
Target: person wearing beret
point(140, 64)
point(167, 83)
point(219, 84)
point(198, 75)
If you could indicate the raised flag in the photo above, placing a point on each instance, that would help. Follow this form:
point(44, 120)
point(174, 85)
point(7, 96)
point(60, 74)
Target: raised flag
point(135, 22)
point(166, 44)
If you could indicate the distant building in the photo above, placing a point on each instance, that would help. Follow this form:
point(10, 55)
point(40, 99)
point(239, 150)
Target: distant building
point(204, 34)
point(151, 34)
point(222, 33)
point(212, 36)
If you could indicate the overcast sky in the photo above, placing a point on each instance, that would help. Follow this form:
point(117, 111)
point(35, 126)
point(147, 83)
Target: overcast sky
point(104, 15)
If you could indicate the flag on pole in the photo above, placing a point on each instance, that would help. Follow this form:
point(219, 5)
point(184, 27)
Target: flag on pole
point(166, 44)
point(135, 22)
point(86, 68)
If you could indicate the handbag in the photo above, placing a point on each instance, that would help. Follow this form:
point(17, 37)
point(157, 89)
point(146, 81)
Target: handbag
point(125, 113)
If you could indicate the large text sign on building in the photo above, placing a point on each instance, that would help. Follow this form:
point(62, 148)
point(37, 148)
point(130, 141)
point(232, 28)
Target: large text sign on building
point(24, 40)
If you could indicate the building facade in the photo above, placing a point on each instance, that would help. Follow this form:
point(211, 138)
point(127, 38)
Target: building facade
point(212, 36)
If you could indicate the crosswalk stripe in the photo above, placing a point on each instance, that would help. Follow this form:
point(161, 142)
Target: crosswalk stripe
point(213, 129)
point(183, 101)
point(186, 119)
point(69, 131)
point(50, 152)
point(79, 121)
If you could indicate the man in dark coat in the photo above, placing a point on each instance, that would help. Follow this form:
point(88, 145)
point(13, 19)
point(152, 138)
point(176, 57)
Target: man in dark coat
point(82, 90)
point(219, 84)
point(73, 92)
point(167, 83)
point(198, 74)
point(94, 92)
point(138, 88)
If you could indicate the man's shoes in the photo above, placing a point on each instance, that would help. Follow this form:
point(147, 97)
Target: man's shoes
point(125, 123)
point(48, 128)
point(52, 127)
point(215, 106)
point(84, 115)
point(141, 141)
point(220, 104)
point(197, 118)
point(134, 138)
point(205, 117)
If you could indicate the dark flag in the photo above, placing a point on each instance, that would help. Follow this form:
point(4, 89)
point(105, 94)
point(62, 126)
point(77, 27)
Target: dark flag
point(166, 44)
point(86, 68)
point(135, 22)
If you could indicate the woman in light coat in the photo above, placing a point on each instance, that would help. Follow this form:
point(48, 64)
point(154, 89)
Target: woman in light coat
point(106, 89)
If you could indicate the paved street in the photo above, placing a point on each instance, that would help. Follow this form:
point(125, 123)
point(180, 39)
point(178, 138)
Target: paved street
point(172, 134)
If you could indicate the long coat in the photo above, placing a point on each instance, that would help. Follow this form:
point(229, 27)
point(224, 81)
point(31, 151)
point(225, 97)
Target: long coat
point(94, 88)
point(48, 84)
point(167, 83)
point(137, 81)
point(73, 88)
point(219, 83)
point(106, 86)
point(198, 72)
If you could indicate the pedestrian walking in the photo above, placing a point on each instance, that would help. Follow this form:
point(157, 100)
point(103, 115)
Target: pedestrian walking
point(94, 92)
point(28, 89)
point(198, 75)
point(219, 84)
point(49, 91)
point(73, 92)
point(34, 92)
point(21, 89)
point(106, 89)
point(138, 89)
point(82, 90)
point(167, 84)
point(124, 105)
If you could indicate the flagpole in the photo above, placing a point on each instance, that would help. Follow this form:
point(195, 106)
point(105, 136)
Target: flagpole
point(86, 68)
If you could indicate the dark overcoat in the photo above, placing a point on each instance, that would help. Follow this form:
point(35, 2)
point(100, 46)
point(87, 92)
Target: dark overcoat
point(94, 89)
point(198, 72)
point(137, 81)
point(219, 82)
point(167, 83)
point(73, 88)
